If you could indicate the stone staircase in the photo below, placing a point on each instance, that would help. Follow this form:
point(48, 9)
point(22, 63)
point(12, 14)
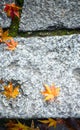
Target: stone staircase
point(38, 60)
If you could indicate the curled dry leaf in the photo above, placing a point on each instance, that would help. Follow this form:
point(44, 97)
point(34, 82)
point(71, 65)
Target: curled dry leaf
point(51, 92)
point(11, 44)
point(11, 92)
point(12, 10)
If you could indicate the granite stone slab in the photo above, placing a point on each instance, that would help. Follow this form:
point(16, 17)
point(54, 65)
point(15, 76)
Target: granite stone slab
point(4, 20)
point(50, 14)
point(36, 61)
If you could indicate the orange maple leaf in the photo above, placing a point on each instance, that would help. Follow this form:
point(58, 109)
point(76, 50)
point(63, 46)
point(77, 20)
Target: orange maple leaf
point(51, 92)
point(12, 10)
point(11, 44)
point(11, 92)
point(4, 35)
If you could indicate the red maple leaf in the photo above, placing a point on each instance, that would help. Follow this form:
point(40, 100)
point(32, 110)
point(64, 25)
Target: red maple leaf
point(12, 10)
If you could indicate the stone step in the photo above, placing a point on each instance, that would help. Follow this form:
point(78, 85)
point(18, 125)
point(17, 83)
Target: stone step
point(4, 20)
point(50, 14)
point(36, 61)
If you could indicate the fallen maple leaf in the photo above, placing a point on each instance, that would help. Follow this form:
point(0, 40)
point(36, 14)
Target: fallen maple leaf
point(51, 92)
point(17, 126)
point(12, 10)
point(4, 35)
point(50, 122)
point(4, 38)
point(11, 44)
point(11, 92)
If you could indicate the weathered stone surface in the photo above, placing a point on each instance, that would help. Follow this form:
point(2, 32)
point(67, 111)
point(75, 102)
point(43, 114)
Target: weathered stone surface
point(4, 20)
point(50, 14)
point(34, 62)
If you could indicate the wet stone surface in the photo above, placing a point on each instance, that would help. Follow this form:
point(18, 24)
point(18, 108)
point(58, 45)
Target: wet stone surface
point(4, 20)
point(34, 62)
point(50, 14)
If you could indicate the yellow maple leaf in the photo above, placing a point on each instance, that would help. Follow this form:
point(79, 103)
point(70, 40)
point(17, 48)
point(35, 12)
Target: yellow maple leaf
point(17, 126)
point(50, 122)
point(11, 44)
point(51, 92)
point(4, 35)
point(11, 92)
point(20, 126)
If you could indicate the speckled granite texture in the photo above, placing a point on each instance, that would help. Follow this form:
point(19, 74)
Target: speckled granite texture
point(50, 14)
point(34, 62)
point(4, 20)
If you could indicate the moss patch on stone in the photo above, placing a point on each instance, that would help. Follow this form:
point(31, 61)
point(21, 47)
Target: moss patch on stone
point(13, 30)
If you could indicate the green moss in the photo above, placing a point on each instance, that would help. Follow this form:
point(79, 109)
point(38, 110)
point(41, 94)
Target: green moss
point(65, 32)
point(13, 30)
point(49, 33)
